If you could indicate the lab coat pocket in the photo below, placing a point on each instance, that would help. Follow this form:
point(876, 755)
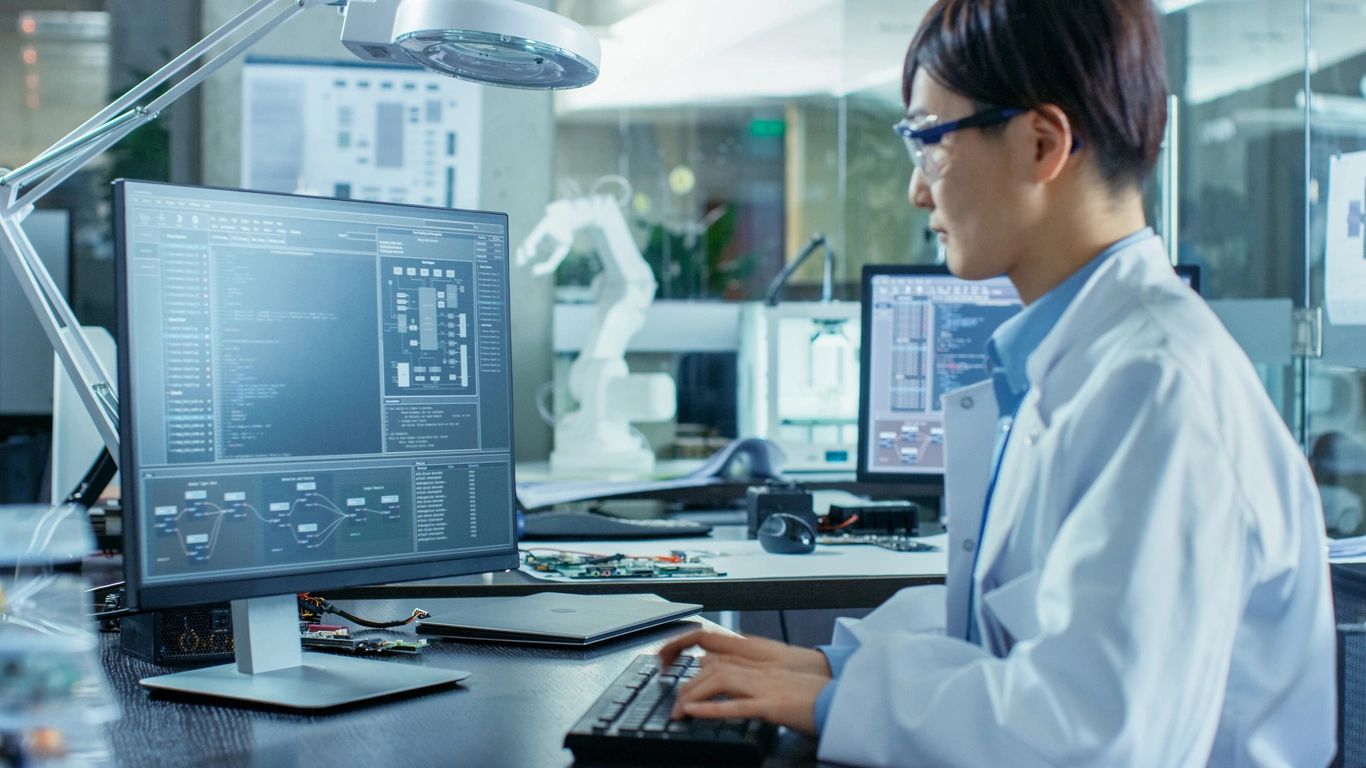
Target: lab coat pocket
point(1012, 608)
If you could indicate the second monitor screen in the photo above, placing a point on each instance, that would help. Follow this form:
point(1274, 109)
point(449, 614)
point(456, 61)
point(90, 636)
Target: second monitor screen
point(927, 336)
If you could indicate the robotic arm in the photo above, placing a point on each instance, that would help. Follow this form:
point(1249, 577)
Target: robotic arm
point(597, 437)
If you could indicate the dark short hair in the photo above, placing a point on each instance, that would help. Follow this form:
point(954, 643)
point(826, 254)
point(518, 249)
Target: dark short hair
point(1100, 61)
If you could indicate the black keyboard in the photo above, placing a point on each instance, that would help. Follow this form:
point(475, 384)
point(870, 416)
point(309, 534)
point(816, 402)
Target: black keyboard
point(630, 721)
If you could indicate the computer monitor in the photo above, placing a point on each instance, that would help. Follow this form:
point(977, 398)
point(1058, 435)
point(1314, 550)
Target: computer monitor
point(924, 334)
point(1190, 275)
point(315, 394)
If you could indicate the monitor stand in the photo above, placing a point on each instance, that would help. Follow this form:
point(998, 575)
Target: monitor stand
point(273, 670)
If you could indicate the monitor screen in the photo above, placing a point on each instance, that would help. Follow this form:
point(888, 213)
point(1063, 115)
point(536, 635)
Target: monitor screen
point(315, 393)
point(924, 334)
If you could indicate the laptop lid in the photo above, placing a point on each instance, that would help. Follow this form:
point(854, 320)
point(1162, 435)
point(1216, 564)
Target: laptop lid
point(558, 618)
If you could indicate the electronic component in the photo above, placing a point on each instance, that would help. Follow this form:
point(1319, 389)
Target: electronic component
point(896, 543)
point(582, 565)
point(180, 637)
point(329, 637)
point(573, 524)
point(886, 517)
point(778, 496)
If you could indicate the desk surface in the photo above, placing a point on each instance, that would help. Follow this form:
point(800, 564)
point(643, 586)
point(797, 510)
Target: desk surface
point(513, 710)
point(831, 577)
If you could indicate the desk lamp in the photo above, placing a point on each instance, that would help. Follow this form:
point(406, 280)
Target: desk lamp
point(497, 42)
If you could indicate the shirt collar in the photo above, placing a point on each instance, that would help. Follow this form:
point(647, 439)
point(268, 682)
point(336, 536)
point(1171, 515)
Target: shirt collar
point(1016, 339)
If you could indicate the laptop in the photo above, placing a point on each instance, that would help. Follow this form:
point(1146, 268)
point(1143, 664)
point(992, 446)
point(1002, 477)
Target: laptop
point(557, 618)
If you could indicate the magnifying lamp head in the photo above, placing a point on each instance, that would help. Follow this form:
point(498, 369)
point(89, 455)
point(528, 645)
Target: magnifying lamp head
point(495, 42)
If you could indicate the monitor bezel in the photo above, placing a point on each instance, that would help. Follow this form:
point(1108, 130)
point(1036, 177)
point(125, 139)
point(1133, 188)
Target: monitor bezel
point(154, 596)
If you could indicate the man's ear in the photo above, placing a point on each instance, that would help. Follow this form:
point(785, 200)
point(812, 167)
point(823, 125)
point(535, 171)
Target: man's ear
point(1053, 139)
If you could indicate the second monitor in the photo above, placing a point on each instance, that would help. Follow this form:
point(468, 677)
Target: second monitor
point(924, 334)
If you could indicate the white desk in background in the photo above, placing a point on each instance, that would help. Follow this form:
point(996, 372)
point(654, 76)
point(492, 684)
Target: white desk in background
point(835, 577)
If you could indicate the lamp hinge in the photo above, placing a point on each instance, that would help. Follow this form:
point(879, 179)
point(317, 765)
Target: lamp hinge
point(1308, 338)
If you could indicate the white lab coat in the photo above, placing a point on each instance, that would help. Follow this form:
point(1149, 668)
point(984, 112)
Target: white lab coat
point(1152, 586)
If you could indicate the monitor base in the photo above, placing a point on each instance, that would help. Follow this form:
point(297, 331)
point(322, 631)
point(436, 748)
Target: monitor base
point(322, 681)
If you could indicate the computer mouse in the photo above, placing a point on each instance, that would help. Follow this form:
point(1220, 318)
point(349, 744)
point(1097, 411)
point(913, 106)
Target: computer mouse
point(786, 534)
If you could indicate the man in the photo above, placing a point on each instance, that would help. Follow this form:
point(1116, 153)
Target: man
point(1136, 566)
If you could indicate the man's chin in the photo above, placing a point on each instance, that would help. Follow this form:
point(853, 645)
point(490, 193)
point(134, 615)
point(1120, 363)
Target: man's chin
point(963, 268)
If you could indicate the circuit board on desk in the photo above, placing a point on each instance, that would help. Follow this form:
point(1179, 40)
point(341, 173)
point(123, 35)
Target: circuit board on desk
point(327, 637)
point(581, 565)
point(894, 542)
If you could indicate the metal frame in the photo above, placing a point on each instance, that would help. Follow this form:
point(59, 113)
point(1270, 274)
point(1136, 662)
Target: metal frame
point(24, 186)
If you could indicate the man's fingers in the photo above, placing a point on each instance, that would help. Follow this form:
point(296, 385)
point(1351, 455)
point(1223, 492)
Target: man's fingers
point(738, 645)
point(737, 681)
point(715, 658)
point(737, 708)
point(711, 642)
point(678, 645)
point(712, 682)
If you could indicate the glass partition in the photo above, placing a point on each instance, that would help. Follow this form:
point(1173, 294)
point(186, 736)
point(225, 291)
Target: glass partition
point(1334, 400)
point(743, 129)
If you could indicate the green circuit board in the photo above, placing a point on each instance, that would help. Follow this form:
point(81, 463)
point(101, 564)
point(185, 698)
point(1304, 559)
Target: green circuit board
point(582, 565)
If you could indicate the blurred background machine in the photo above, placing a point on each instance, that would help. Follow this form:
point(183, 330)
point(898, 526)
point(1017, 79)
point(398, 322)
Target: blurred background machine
point(799, 372)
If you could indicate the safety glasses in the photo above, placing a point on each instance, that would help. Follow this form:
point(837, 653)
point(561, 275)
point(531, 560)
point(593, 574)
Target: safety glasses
point(924, 134)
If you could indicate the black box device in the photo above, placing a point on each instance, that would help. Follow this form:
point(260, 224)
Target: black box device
point(778, 496)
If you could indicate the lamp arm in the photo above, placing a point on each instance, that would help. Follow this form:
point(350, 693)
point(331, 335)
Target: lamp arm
point(776, 287)
point(71, 153)
point(59, 323)
point(94, 146)
point(36, 167)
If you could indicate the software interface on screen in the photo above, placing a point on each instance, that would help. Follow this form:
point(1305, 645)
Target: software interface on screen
point(316, 384)
point(927, 336)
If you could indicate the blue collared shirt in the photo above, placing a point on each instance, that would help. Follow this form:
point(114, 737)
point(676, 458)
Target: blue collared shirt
point(1008, 351)
point(1015, 340)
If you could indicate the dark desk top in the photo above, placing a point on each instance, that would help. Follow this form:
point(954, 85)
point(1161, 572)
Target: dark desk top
point(513, 710)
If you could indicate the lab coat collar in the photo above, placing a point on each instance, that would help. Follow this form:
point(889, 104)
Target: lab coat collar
point(970, 416)
point(1142, 262)
point(1112, 292)
point(1009, 348)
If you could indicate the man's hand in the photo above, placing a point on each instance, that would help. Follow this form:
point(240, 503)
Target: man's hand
point(781, 697)
point(751, 651)
point(761, 678)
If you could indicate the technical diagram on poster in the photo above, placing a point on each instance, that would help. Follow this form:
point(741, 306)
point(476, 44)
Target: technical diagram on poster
point(360, 131)
point(1345, 267)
